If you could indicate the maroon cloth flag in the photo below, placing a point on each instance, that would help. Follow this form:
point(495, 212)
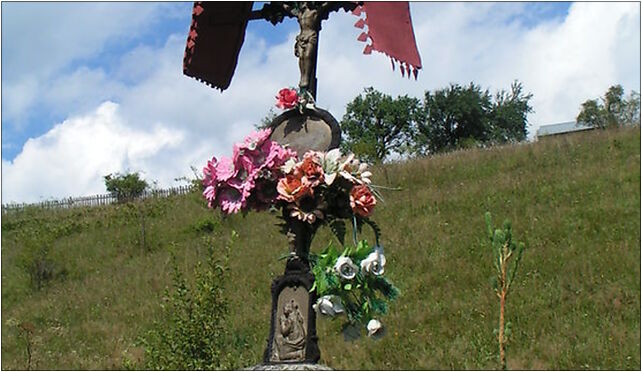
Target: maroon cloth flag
point(215, 38)
point(218, 28)
point(390, 30)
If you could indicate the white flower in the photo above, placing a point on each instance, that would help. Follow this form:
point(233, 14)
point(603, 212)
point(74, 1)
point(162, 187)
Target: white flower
point(330, 165)
point(354, 171)
point(329, 305)
point(374, 326)
point(374, 263)
point(288, 166)
point(345, 268)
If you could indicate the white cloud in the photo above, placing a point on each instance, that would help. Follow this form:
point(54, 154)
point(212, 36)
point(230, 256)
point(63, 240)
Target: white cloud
point(40, 39)
point(164, 122)
point(73, 156)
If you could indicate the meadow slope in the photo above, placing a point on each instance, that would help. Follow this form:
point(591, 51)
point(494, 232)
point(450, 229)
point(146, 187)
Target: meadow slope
point(574, 201)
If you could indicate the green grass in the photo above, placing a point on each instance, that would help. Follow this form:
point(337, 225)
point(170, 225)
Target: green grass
point(574, 201)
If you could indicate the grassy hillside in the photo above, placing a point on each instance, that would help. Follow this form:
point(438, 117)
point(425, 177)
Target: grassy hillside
point(574, 201)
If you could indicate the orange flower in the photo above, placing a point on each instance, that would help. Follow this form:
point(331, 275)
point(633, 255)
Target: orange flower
point(311, 168)
point(362, 201)
point(291, 188)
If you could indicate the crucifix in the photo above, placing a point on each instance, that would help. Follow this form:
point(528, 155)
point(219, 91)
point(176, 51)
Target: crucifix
point(211, 54)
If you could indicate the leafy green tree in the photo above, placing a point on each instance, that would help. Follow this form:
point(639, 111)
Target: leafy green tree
point(631, 115)
point(454, 116)
point(508, 116)
point(376, 125)
point(592, 114)
point(125, 187)
point(612, 110)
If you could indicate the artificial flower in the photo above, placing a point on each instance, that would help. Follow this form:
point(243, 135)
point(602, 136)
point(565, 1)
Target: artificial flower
point(231, 200)
point(329, 305)
point(374, 327)
point(355, 171)
point(225, 169)
point(345, 268)
point(256, 139)
point(374, 263)
point(209, 173)
point(330, 165)
point(307, 209)
point(291, 188)
point(289, 165)
point(362, 201)
point(287, 98)
point(210, 195)
point(311, 168)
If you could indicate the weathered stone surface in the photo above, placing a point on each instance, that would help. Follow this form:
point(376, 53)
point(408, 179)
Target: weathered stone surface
point(313, 130)
point(289, 367)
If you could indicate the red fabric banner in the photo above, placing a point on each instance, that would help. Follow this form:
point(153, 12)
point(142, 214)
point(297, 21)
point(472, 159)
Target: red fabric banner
point(390, 31)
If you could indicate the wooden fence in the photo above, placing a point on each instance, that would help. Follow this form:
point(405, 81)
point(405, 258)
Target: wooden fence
point(93, 201)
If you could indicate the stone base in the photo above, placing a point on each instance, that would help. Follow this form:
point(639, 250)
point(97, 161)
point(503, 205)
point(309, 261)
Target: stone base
point(289, 367)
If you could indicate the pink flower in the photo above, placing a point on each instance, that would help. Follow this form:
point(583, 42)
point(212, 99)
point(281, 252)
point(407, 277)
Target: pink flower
point(231, 200)
point(362, 201)
point(210, 195)
point(225, 169)
point(276, 157)
point(209, 173)
point(256, 139)
point(287, 98)
point(234, 193)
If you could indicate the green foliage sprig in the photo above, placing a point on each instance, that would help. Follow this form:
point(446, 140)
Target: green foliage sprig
point(192, 334)
point(504, 249)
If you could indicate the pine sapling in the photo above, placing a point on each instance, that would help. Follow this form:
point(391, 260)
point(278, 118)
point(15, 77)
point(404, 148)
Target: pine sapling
point(504, 249)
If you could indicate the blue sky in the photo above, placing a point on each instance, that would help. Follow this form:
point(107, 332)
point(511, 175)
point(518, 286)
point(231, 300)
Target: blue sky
point(95, 88)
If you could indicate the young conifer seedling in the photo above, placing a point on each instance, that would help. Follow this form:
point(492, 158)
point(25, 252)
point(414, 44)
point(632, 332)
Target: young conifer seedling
point(504, 249)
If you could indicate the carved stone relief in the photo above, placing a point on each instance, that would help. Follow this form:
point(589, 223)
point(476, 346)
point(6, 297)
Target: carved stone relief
point(290, 333)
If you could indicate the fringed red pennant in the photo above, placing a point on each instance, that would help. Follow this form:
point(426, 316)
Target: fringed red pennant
point(390, 30)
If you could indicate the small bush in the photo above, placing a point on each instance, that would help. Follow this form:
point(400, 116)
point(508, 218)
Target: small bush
point(191, 334)
point(205, 225)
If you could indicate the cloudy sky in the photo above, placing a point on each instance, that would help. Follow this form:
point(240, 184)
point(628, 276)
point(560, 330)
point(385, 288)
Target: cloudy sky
point(94, 88)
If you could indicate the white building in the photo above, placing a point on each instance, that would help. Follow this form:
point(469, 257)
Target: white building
point(561, 128)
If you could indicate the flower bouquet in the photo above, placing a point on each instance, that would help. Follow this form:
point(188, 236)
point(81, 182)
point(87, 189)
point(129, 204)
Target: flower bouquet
point(313, 189)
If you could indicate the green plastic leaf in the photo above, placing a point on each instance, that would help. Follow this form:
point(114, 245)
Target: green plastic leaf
point(362, 251)
point(347, 287)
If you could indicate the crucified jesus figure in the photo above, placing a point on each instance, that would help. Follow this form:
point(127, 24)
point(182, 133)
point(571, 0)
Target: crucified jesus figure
point(309, 14)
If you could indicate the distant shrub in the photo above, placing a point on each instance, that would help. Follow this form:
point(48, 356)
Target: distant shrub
point(43, 270)
point(191, 334)
point(125, 187)
point(205, 225)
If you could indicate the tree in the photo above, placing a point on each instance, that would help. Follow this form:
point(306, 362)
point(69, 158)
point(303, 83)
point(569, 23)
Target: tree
point(125, 187)
point(376, 125)
point(592, 114)
point(612, 110)
point(267, 120)
point(453, 116)
point(631, 115)
point(508, 116)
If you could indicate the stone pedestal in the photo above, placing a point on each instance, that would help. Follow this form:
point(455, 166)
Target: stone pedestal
point(293, 336)
point(290, 367)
